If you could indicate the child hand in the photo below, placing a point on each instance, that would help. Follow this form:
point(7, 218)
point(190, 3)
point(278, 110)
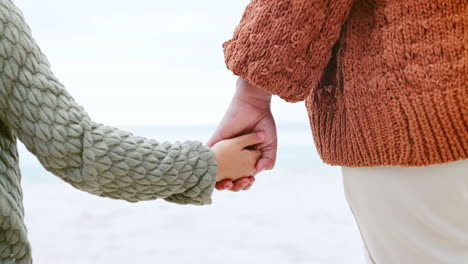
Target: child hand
point(234, 160)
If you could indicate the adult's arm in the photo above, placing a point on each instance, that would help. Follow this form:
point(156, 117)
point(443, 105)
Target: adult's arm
point(283, 47)
point(98, 159)
point(249, 111)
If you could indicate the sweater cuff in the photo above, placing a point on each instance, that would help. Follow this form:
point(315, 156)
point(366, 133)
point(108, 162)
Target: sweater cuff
point(284, 47)
point(291, 80)
point(205, 170)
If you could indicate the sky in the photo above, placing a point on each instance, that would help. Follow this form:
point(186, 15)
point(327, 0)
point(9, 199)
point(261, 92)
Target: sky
point(144, 62)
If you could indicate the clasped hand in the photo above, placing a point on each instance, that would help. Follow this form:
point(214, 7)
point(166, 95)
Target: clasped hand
point(245, 141)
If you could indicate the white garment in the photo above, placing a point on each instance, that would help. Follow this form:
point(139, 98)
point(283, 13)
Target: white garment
point(411, 215)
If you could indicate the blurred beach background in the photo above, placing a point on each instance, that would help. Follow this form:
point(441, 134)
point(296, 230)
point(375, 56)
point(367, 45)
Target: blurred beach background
point(156, 69)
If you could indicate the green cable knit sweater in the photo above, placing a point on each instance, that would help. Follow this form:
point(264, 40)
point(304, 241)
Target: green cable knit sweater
point(101, 160)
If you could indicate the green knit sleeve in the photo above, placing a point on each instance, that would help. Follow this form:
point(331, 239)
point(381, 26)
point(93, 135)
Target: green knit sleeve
point(92, 157)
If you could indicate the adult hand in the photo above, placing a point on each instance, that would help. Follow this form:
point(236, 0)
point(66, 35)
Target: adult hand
point(248, 112)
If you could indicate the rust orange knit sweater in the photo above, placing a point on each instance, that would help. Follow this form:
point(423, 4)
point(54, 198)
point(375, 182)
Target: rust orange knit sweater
point(385, 81)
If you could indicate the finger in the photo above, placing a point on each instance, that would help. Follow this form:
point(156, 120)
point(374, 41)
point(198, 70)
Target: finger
point(264, 164)
point(213, 140)
point(224, 185)
point(240, 184)
point(253, 156)
point(252, 180)
point(250, 139)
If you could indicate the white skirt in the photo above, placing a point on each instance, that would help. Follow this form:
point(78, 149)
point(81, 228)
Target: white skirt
point(411, 215)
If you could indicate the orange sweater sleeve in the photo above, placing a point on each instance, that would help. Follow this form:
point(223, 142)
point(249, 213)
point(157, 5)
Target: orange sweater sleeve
point(284, 46)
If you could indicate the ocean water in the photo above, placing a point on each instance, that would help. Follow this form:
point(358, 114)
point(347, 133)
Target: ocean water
point(296, 150)
point(295, 214)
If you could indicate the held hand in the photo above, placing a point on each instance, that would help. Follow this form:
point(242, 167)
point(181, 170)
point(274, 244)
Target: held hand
point(234, 159)
point(249, 112)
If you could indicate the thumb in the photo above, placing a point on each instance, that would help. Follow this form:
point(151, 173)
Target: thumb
point(250, 139)
point(214, 139)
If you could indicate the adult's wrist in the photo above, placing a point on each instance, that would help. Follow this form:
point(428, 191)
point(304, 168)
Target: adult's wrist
point(251, 94)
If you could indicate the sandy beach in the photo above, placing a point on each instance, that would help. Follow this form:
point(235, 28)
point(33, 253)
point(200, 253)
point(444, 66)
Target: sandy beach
point(289, 216)
point(296, 213)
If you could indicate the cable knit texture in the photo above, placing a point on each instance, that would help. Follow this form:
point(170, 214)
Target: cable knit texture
point(385, 81)
point(105, 161)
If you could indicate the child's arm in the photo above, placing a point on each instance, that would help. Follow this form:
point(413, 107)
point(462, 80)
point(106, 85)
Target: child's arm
point(92, 157)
